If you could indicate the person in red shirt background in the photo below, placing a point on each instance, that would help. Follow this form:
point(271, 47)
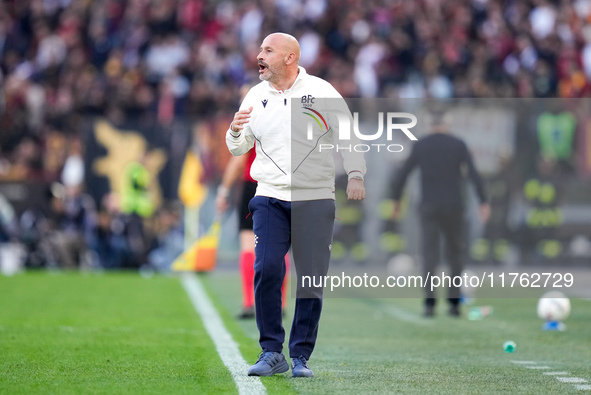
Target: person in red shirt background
point(239, 168)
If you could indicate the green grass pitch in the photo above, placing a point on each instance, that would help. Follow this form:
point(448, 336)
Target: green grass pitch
point(119, 333)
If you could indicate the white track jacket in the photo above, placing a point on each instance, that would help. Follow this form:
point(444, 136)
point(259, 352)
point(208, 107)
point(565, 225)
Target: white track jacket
point(293, 162)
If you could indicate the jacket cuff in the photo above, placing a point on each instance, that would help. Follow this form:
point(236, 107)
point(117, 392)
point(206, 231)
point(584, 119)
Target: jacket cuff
point(355, 174)
point(235, 135)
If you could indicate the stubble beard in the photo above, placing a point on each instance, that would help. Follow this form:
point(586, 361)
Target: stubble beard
point(268, 77)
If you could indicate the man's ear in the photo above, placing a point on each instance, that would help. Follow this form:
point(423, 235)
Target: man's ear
point(290, 58)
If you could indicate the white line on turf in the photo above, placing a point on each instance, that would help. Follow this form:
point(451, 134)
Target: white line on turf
point(224, 343)
point(571, 380)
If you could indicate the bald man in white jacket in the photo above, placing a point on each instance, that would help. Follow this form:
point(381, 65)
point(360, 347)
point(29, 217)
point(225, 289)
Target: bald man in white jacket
point(294, 202)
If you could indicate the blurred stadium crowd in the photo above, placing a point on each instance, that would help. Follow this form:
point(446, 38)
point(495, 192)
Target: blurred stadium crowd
point(155, 61)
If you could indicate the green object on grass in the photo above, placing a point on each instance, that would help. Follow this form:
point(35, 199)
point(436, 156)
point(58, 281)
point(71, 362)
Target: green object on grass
point(509, 346)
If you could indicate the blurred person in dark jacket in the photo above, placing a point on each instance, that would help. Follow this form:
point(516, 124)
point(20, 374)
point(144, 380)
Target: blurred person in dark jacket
point(442, 159)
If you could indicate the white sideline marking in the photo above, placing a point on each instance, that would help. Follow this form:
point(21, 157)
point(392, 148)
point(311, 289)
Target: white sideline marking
point(224, 343)
point(571, 380)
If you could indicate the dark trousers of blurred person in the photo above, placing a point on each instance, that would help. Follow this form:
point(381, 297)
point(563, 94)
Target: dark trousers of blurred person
point(137, 242)
point(446, 223)
point(68, 249)
point(111, 250)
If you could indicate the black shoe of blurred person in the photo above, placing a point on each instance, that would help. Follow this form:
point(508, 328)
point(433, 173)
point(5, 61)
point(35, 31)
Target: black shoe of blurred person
point(429, 311)
point(454, 310)
point(247, 313)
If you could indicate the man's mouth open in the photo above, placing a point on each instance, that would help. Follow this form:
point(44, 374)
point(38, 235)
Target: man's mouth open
point(262, 68)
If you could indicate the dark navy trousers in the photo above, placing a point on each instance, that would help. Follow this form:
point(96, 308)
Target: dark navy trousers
point(306, 226)
point(449, 223)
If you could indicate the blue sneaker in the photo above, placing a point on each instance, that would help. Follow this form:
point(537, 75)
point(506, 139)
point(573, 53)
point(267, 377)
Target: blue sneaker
point(299, 367)
point(268, 364)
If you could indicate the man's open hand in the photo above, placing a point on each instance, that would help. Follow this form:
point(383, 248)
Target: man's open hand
point(240, 119)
